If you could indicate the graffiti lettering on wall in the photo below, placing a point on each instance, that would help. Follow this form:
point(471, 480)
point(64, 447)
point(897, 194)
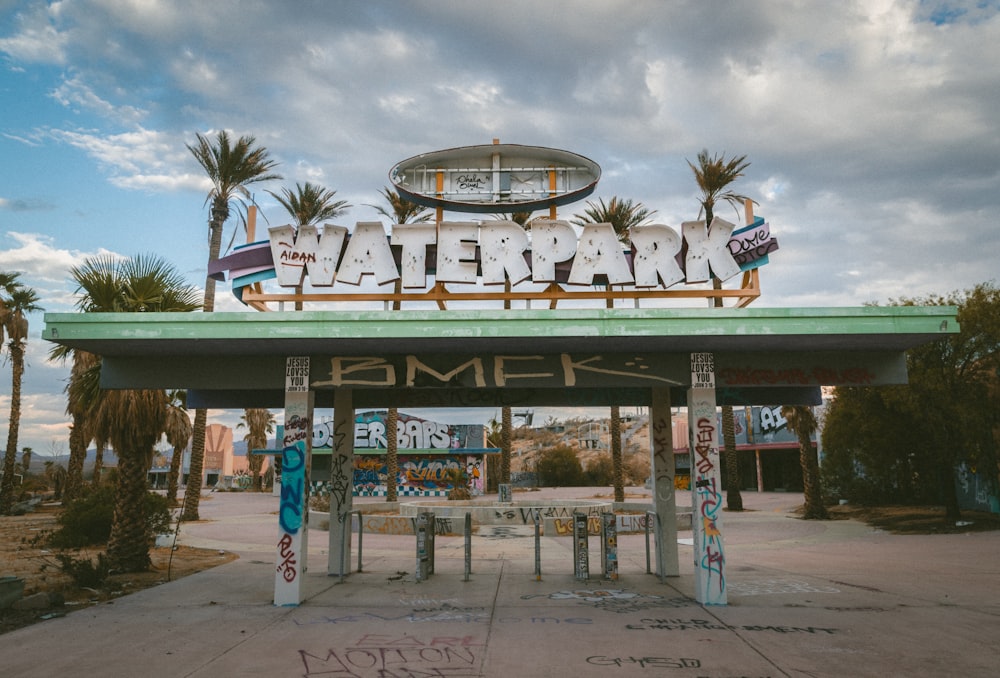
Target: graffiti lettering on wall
point(496, 371)
point(564, 526)
point(624, 523)
point(385, 655)
point(526, 515)
point(974, 490)
point(415, 472)
point(412, 433)
point(771, 419)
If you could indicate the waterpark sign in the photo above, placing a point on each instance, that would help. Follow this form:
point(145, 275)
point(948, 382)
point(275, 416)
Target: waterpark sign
point(499, 251)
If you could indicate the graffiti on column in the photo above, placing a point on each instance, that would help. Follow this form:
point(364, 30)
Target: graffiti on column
point(709, 557)
point(709, 552)
point(293, 485)
point(290, 549)
point(341, 471)
point(710, 501)
point(663, 465)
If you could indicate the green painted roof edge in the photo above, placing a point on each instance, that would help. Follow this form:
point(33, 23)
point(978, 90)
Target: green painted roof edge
point(457, 324)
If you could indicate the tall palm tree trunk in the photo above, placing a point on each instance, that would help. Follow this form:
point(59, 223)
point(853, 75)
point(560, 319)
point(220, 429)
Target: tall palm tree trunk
point(256, 463)
point(734, 499)
point(506, 424)
point(128, 549)
point(173, 475)
point(192, 493)
point(219, 216)
point(98, 462)
point(617, 467)
point(10, 456)
point(391, 454)
point(812, 489)
point(77, 453)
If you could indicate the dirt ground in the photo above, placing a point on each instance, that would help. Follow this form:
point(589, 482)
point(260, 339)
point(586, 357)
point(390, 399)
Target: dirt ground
point(23, 553)
point(916, 519)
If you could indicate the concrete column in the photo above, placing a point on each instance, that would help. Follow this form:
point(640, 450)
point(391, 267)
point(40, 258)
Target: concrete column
point(664, 494)
point(341, 483)
point(706, 488)
point(293, 513)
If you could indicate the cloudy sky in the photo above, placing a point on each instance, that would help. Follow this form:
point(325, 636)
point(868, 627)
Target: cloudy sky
point(873, 127)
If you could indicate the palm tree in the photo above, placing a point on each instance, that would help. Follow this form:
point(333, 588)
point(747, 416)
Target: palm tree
point(400, 210)
point(26, 459)
point(16, 301)
point(391, 454)
point(622, 214)
point(259, 422)
point(80, 431)
point(56, 475)
point(231, 168)
point(714, 174)
point(100, 443)
point(309, 205)
point(802, 422)
point(131, 420)
point(506, 427)
point(178, 431)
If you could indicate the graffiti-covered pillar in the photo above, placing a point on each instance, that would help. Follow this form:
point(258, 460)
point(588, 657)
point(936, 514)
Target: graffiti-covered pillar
point(706, 495)
point(293, 512)
point(664, 494)
point(341, 483)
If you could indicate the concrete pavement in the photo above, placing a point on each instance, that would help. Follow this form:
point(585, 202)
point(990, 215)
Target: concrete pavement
point(806, 598)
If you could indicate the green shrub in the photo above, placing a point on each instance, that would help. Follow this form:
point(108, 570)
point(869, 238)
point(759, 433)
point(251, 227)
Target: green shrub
point(459, 481)
point(600, 470)
point(87, 519)
point(560, 467)
point(83, 571)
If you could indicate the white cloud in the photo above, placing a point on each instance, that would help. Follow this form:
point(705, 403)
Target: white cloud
point(74, 92)
point(138, 159)
point(37, 40)
point(37, 258)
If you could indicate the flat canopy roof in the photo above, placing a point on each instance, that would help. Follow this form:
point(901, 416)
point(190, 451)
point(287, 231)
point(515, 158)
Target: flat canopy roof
point(511, 357)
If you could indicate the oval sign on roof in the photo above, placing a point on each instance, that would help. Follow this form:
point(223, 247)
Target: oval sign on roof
point(495, 178)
